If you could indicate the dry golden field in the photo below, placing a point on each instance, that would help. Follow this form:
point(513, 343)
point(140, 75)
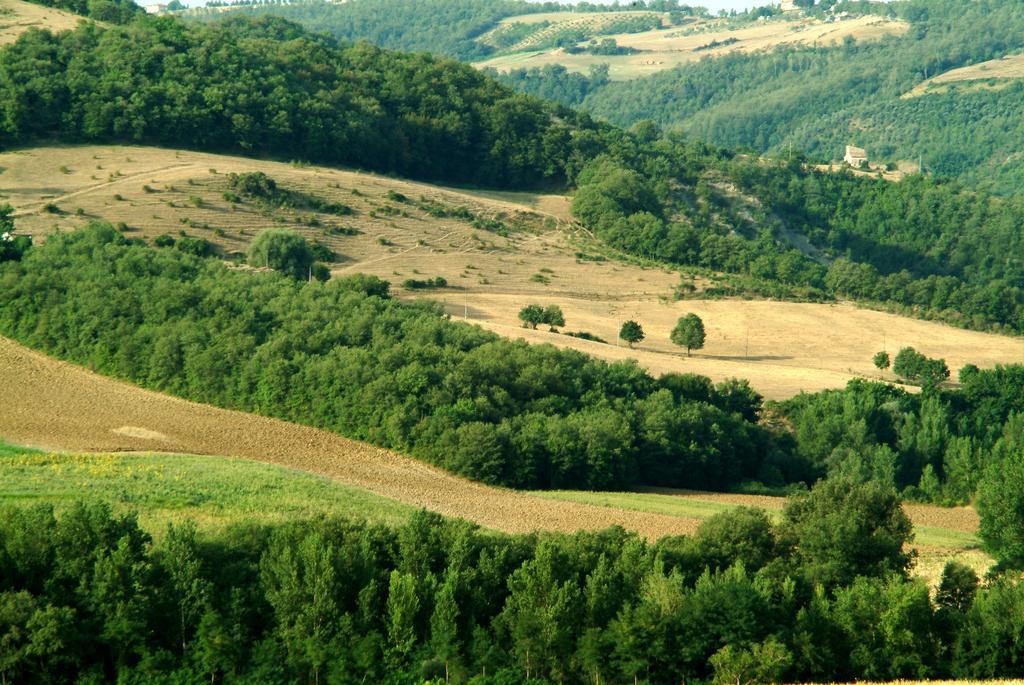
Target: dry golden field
point(994, 74)
point(17, 16)
point(666, 48)
point(782, 348)
point(58, 406)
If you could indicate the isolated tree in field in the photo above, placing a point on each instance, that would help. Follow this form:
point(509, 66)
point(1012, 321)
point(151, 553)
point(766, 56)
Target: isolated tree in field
point(531, 315)
point(915, 367)
point(553, 316)
point(284, 251)
point(631, 332)
point(908, 363)
point(689, 333)
point(881, 361)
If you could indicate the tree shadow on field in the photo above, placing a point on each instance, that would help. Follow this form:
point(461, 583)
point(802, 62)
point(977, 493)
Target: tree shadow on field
point(743, 358)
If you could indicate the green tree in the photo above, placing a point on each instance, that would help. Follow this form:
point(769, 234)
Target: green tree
point(531, 315)
point(191, 591)
point(689, 333)
point(881, 361)
point(763, 662)
point(444, 627)
point(631, 332)
point(957, 587)
point(553, 316)
point(841, 530)
point(282, 250)
point(1000, 504)
point(300, 581)
point(402, 608)
point(12, 247)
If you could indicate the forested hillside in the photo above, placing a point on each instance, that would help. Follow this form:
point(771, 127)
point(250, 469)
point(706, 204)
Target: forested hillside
point(266, 87)
point(816, 99)
point(347, 357)
point(819, 100)
point(443, 27)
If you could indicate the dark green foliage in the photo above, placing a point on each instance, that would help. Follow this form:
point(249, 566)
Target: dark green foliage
point(553, 316)
point(531, 315)
point(871, 431)
point(881, 361)
point(689, 333)
point(822, 98)
point(841, 529)
point(914, 366)
point(1000, 504)
point(444, 27)
point(554, 82)
point(282, 250)
point(631, 332)
point(12, 247)
point(198, 247)
point(88, 596)
point(585, 335)
point(342, 356)
point(424, 284)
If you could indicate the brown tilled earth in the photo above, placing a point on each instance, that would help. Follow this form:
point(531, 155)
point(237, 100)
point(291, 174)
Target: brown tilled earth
point(55, 405)
point(782, 348)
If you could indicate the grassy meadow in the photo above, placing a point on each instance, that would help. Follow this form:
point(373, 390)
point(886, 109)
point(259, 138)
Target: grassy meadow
point(215, 492)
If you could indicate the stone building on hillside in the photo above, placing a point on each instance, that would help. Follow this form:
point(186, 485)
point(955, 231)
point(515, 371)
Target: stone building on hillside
point(856, 157)
point(789, 6)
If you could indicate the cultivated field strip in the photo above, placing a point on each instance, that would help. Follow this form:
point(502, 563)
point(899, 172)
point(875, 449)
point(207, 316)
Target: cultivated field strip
point(59, 406)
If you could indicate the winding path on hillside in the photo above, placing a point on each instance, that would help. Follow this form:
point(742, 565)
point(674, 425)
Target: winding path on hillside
point(60, 406)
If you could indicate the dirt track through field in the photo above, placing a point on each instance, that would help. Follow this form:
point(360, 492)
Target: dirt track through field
point(55, 405)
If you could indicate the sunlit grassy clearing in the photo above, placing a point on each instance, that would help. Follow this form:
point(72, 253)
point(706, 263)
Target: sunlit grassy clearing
point(214, 491)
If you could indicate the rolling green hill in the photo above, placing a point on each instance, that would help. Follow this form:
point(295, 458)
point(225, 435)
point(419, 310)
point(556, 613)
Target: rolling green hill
point(819, 100)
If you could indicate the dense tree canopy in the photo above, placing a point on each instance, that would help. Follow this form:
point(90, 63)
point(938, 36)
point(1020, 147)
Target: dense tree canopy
point(90, 596)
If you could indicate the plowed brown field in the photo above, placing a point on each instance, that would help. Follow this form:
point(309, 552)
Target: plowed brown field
point(55, 405)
